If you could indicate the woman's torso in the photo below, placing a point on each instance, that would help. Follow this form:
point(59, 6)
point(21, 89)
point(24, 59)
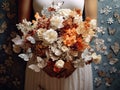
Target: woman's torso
point(71, 4)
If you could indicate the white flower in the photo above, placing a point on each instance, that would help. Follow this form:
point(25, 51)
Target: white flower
point(53, 57)
point(41, 63)
point(50, 36)
point(31, 39)
point(25, 26)
point(60, 63)
point(34, 67)
point(64, 12)
point(96, 58)
point(56, 22)
point(26, 56)
point(64, 49)
point(78, 19)
point(86, 55)
point(80, 28)
point(58, 52)
point(17, 40)
point(40, 33)
point(27, 23)
point(88, 38)
point(55, 50)
point(93, 23)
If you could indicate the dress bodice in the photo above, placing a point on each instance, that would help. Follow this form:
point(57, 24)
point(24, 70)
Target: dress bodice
point(71, 4)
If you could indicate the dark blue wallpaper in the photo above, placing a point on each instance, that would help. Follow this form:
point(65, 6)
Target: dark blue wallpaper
point(105, 75)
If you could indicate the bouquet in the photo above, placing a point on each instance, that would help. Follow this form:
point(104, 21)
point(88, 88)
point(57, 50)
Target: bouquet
point(58, 41)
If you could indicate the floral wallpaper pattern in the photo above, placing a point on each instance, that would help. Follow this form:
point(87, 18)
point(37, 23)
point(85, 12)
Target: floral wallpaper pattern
point(11, 68)
point(105, 75)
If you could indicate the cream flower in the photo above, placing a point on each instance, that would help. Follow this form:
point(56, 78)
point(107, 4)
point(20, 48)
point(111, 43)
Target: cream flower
point(80, 28)
point(78, 19)
point(88, 38)
point(65, 12)
point(56, 51)
point(96, 58)
point(64, 48)
point(86, 55)
point(93, 23)
point(60, 63)
point(25, 26)
point(56, 22)
point(50, 36)
point(40, 33)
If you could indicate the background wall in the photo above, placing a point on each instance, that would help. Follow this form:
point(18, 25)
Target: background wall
point(106, 75)
point(11, 68)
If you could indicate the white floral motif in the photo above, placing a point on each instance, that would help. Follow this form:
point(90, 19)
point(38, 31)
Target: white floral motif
point(6, 6)
point(113, 70)
point(3, 27)
point(110, 20)
point(106, 10)
point(98, 81)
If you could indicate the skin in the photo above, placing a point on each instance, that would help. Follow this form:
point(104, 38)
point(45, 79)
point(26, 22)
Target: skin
point(91, 8)
point(25, 7)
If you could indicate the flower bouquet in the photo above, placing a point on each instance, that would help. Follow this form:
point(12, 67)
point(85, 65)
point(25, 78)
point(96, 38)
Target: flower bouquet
point(58, 41)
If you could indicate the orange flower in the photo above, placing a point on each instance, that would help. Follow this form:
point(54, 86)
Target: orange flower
point(69, 37)
point(86, 24)
point(78, 11)
point(80, 44)
point(88, 19)
point(37, 16)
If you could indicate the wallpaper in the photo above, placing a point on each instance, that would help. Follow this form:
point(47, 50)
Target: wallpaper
point(105, 75)
point(11, 68)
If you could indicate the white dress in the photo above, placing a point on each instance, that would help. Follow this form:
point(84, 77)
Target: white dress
point(81, 78)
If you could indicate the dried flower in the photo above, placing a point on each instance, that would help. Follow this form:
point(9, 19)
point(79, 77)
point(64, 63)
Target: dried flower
point(50, 36)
